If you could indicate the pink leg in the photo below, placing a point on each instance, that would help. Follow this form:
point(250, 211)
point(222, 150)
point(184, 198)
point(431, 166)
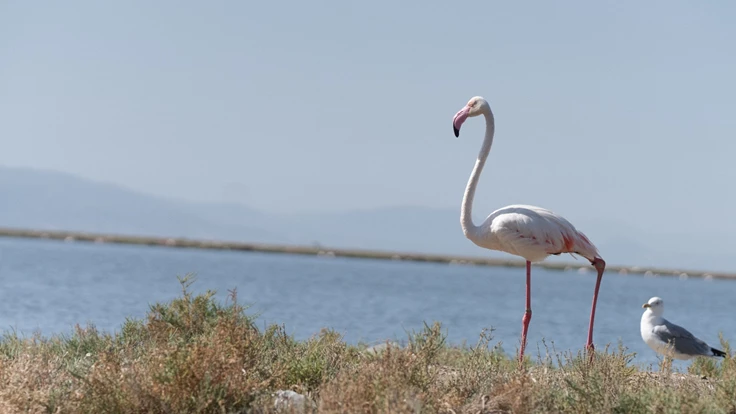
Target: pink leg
point(600, 266)
point(528, 312)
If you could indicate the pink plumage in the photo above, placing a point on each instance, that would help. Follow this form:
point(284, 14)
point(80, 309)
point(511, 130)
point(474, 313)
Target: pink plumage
point(532, 233)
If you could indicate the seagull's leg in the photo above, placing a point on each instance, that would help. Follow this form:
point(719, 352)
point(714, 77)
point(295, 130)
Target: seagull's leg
point(528, 312)
point(600, 266)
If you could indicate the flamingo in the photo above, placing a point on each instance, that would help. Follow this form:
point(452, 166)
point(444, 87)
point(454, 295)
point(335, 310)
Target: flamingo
point(530, 232)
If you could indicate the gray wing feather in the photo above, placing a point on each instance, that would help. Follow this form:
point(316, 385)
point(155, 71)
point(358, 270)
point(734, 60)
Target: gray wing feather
point(682, 340)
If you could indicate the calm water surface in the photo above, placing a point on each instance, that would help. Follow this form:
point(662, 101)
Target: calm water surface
point(50, 286)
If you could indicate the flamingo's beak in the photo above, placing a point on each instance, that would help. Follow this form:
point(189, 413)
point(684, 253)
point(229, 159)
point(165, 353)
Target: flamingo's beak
point(458, 120)
point(646, 305)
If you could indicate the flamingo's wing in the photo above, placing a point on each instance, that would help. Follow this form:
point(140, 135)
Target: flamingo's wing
point(534, 233)
point(520, 235)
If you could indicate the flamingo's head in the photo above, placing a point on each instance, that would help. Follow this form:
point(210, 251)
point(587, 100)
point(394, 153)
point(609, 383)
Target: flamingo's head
point(655, 305)
point(477, 105)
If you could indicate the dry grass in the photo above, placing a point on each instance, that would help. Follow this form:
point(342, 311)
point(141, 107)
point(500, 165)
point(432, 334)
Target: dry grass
point(194, 355)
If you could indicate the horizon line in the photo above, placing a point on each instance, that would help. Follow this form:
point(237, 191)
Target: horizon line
point(318, 250)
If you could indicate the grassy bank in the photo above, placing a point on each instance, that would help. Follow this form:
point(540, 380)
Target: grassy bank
point(195, 354)
point(181, 243)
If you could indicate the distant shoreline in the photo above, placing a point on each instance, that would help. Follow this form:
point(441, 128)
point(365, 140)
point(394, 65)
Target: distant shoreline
point(74, 236)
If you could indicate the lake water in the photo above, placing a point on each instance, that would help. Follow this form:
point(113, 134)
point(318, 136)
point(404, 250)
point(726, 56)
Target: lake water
point(50, 286)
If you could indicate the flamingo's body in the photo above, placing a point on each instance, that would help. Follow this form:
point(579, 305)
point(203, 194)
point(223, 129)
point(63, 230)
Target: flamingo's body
point(527, 231)
point(532, 233)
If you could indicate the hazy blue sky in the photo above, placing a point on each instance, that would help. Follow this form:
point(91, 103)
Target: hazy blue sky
point(619, 110)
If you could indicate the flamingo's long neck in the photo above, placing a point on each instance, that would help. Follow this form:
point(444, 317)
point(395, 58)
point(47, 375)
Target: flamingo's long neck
point(466, 213)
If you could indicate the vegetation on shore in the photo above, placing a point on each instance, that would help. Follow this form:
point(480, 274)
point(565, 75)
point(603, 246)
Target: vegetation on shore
point(196, 355)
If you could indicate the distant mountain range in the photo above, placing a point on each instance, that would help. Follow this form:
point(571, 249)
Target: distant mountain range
point(50, 200)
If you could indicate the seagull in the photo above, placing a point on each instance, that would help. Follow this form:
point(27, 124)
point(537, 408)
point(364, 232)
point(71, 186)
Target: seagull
point(671, 340)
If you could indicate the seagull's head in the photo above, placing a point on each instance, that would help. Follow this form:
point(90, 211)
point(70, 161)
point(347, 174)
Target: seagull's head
point(655, 305)
point(477, 105)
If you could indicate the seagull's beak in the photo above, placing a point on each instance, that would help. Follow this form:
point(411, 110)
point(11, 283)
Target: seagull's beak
point(646, 305)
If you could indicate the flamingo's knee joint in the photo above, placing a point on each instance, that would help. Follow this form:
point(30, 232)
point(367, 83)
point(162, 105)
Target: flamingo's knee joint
point(527, 316)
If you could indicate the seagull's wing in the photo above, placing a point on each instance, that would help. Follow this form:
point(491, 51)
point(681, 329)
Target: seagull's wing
point(681, 339)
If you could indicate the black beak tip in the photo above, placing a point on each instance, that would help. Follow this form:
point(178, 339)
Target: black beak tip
point(456, 131)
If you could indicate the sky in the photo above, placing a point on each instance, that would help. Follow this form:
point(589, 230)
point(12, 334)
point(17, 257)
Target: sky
point(615, 111)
